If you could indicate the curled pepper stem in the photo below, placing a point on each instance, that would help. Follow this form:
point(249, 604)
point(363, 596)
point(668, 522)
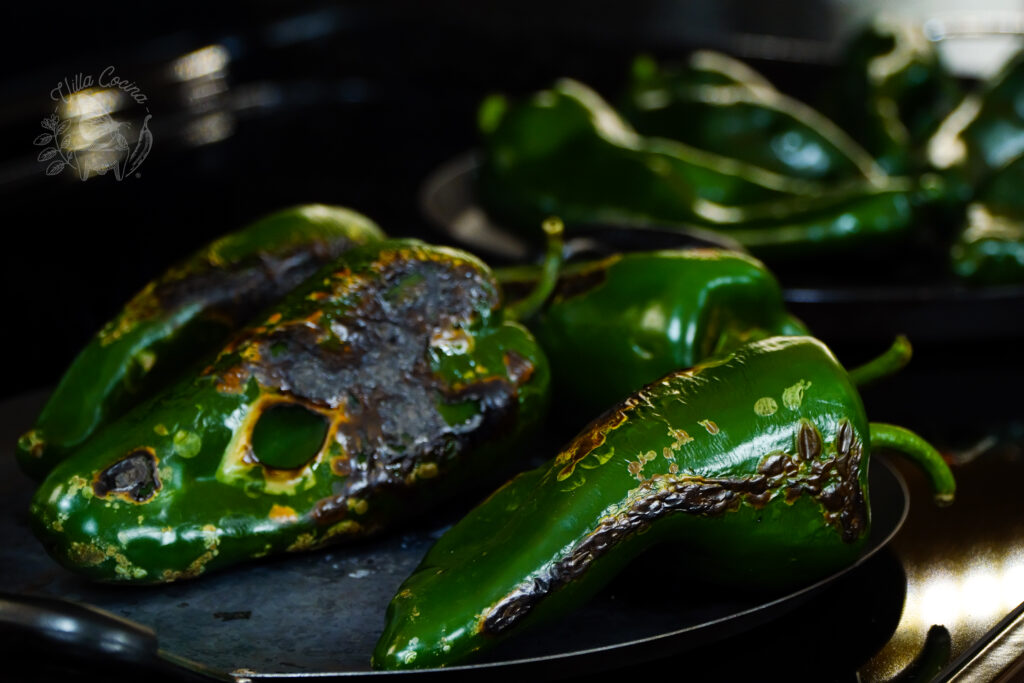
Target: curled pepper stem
point(889, 362)
point(529, 306)
point(921, 452)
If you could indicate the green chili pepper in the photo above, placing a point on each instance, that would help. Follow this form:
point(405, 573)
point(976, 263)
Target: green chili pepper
point(757, 461)
point(566, 152)
point(893, 94)
point(718, 104)
point(381, 385)
point(990, 248)
point(616, 324)
point(183, 315)
point(986, 131)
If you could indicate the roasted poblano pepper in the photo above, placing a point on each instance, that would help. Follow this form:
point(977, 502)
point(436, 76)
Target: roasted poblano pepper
point(616, 324)
point(756, 462)
point(990, 249)
point(986, 131)
point(893, 94)
point(374, 389)
point(566, 152)
point(715, 103)
point(183, 315)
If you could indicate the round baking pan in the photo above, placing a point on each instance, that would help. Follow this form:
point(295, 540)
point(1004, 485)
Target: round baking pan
point(319, 614)
point(863, 296)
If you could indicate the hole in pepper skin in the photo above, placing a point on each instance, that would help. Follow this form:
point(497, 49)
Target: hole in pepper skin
point(135, 476)
point(287, 436)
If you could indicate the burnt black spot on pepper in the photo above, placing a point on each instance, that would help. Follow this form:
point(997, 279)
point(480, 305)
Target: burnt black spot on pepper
point(331, 510)
point(832, 482)
point(773, 464)
point(134, 478)
point(582, 281)
point(592, 436)
point(696, 497)
point(518, 368)
point(845, 438)
point(380, 378)
point(238, 291)
point(808, 441)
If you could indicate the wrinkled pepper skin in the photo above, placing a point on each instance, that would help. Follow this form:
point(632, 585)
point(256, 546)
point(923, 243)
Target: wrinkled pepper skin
point(756, 462)
point(718, 104)
point(565, 152)
point(614, 325)
point(894, 94)
point(375, 389)
point(186, 313)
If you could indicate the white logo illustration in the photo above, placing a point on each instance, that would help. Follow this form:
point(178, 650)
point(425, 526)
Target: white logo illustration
point(83, 134)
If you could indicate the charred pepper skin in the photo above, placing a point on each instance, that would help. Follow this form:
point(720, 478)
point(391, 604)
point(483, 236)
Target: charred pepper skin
point(375, 389)
point(756, 460)
point(183, 315)
point(716, 103)
point(614, 325)
point(567, 152)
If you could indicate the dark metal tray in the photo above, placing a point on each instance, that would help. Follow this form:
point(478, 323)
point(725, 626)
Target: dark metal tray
point(892, 291)
point(320, 614)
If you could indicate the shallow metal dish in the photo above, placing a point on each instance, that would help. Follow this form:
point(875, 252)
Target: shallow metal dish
point(321, 613)
point(891, 291)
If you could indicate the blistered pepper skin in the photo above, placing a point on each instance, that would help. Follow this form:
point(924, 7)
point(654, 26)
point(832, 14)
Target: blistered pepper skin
point(369, 393)
point(566, 152)
point(715, 103)
point(756, 461)
point(183, 315)
point(614, 325)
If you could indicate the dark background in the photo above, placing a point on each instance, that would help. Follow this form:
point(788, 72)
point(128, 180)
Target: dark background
point(361, 101)
point(355, 104)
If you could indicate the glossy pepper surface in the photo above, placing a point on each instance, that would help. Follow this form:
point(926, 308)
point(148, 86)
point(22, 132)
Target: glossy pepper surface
point(893, 94)
point(716, 103)
point(755, 461)
point(371, 391)
point(990, 250)
point(186, 313)
point(616, 324)
point(986, 132)
point(566, 152)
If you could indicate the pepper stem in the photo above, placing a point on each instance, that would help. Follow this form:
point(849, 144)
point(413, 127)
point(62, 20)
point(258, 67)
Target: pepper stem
point(921, 452)
point(889, 362)
point(529, 306)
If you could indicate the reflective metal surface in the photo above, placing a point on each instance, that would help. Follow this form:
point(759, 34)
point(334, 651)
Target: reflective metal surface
point(322, 612)
point(964, 563)
point(339, 104)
